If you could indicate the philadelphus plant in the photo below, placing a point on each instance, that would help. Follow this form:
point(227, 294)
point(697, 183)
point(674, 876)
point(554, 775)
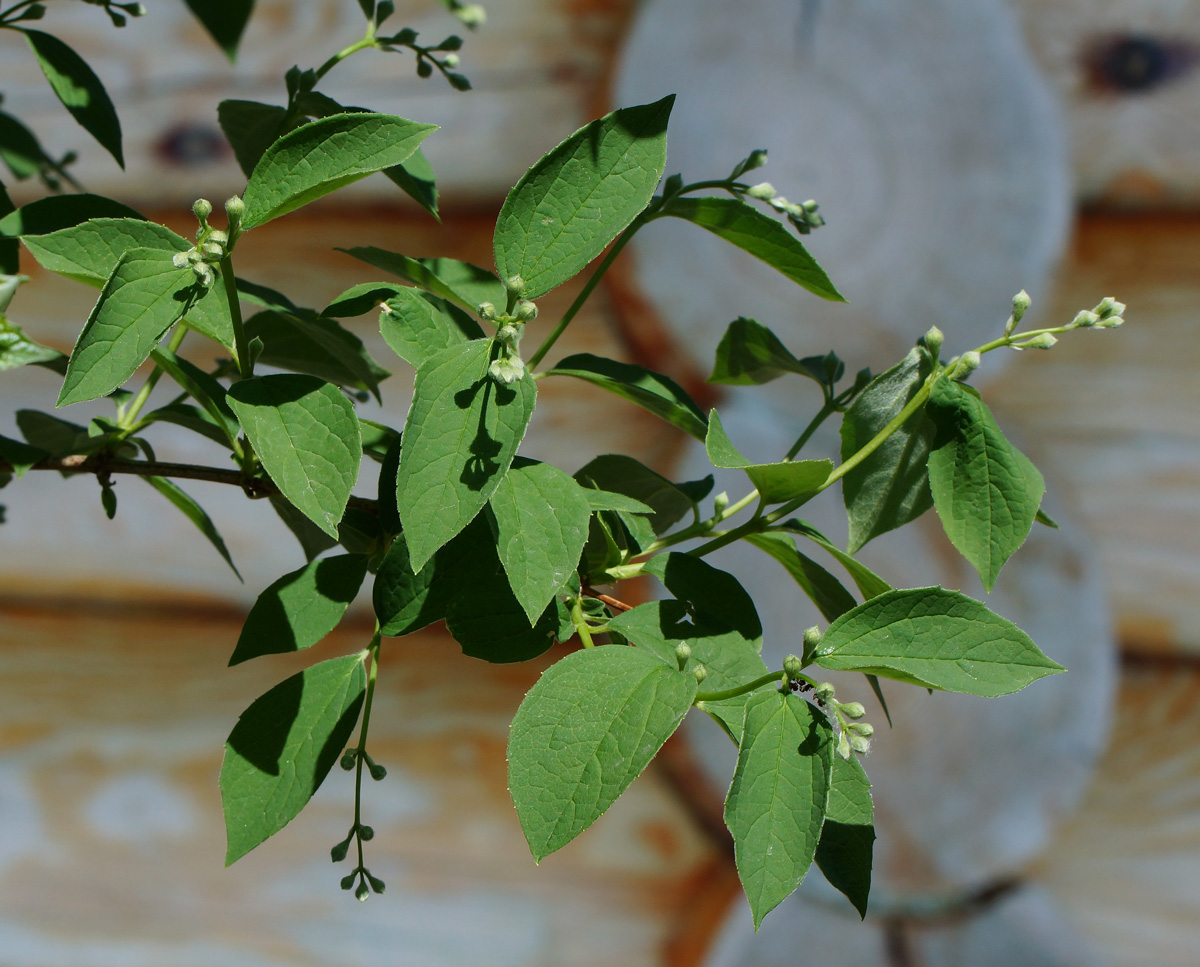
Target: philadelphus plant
point(512, 554)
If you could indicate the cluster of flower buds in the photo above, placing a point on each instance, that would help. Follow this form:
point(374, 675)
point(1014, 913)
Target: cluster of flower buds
point(803, 216)
point(853, 735)
point(117, 12)
point(1106, 315)
point(212, 244)
point(508, 366)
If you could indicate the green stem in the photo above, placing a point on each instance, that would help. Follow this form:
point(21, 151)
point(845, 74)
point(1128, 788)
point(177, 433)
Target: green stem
point(241, 349)
point(583, 296)
point(580, 623)
point(129, 418)
point(702, 528)
point(768, 679)
point(373, 649)
point(354, 48)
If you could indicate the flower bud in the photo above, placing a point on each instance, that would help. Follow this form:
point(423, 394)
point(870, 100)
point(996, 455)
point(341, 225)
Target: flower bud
point(1020, 303)
point(853, 710)
point(347, 881)
point(720, 502)
point(933, 340)
point(526, 311)
point(757, 158)
point(362, 893)
point(473, 14)
point(859, 744)
point(1110, 323)
point(213, 250)
point(450, 61)
point(377, 771)
point(843, 746)
point(235, 208)
point(486, 311)
point(349, 757)
point(365, 833)
point(683, 651)
point(812, 641)
point(338, 853)
point(764, 191)
point(376, 883)
point(1109, 307)
point(1084, 320)
point(202, 208)
point(507, 369)
point(699, 672)
point(967, 364)
point(792, 665)
point(514, 283)
point(865, 729)
point(1044, 341)
point(180, 260)
point(824, 691)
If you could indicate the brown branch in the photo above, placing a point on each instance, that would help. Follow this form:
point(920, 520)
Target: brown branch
point(610, 601)
point(254, 487)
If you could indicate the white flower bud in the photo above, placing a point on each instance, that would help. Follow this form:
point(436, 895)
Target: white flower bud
point(792, 665)
point(843, 746)
point(180, 260)
point(853, 710)
point(235, 208)
point(859, 744)
point(1111, 322)
point(1044, 341)
point(202, 208)
point(450, 61)
point(720, 502)
point(933, 340)
point(1109, 307)
point(824, 691)
point(1020, 303)
point(764, 191)
point(967, 364)
point(486, 311)
point(526, 311)
point(1084, 320)
point(683, 651)
point(514, 283)
point(865, 729)
point(699, 672)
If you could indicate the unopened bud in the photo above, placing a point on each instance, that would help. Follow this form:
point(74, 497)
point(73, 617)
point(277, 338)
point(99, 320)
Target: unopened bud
point(180, 260)
point(514, 283)
point(699, 672)
point(792, 665)
point(362, 893)
point(376, 883)
point(721, 501)
point(865, 729)
point(366, 833)
point(1020, 304)
point(758, 158)
point(933, 340)
point(853, 710)
point(1111, 322)
point(235, 208)
point(843, 746)
point(1044, 341)
point(348, 759)
point(683, 651)
point(378, 772)
point(347, 881)
point(812, 641)
point(338, 853)
point(507, 369)
point(214, 250)
point(764, 190)
point(486, 311)
point(967, 364)
point(859, 744)
point(824, 691)
point(450, 60)
point(526, 311)
point(1109, 307)
point(1084, 320)
point(202, 208)
point(472, 15)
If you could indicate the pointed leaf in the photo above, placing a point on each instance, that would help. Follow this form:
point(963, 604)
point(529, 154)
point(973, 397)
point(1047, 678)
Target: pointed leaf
point(464, 284)
point(415, 178)
point(282, 748)
point(10, 249)
point(79, 90)
point(759, 235)
point(869, 583)
point(937, 639)
point(847, 839)
point(490, 624)
point(822, 588)
point(584, 732)
point(891, 486)
point(652, 391)
point(20, 150)
point(317, 347)
point(985, 490)
point(88, 252)
point(17, 349)
point(749, 354)
point(143, 298)
point(301, 608)
point(323, 156)
point(225, 20)
point(541, 519)
point(190, 418)
point(306, 434)
point(575, 200)
point(20, 456)
point(708, 591)
point(625, 475)
point(195, 513)
point(59, 438)
point(417, 325)
point(607, 500)
point(776, 483)
point(360, 299)
point(776, 802)
point(462, 432)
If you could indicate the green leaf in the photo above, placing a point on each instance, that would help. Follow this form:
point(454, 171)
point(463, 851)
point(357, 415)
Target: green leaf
point(749, 354)
point(317, 347)
point(360, 299)
point(822, 588)
point(282, 748)
point(79, 90)
point(58, 438)
point(415, 178)
point(250, 127)
point(20, 149)
point(389, 470)
point(301, 608)
point(20, 456)
point(143, 298)
point(575, 200)
point(891, 486)
point(845, 850)
point(541, 519)
point(56, 212)
point(490, 624)
point(417, 326)
point(584, 732)
point(462, 432)
point(195, 513)
point(464, 284)
point(225, 20)
point(1045, 519)
point(985, 490)
point(936, 639)
point(776, 483)
point(777, 800)
point(306, 434)
point(652, 391)
point(607, 500)
point(729, 657)
point(759, 235)
point(869, 583)
point(708, 591)
point(624, 475)
point(323, 156)
point(89, 252)
point(203, 388)
point(404, 601)
point(17, 349)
